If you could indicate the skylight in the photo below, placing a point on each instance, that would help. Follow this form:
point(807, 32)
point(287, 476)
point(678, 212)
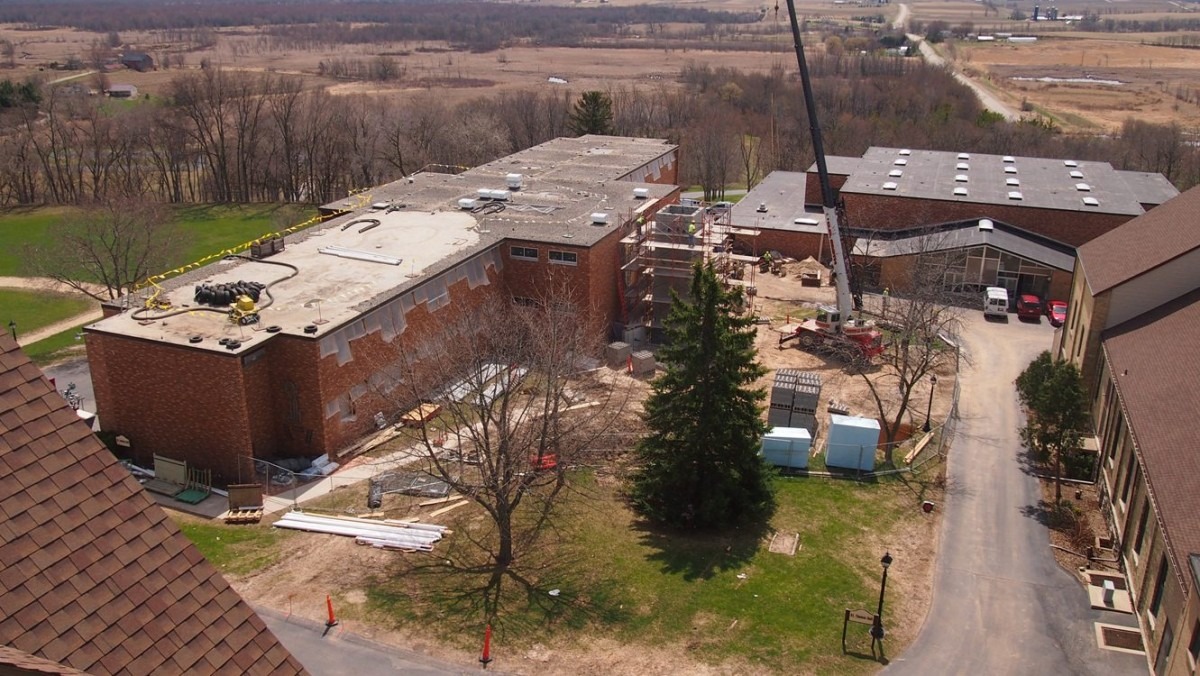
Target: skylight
point(896, 173)
point(1014, 195)
point(964, 156)
point(1083, 187)
point(1009, 159)
point(1010, 170)
point(906, 151)
point(890, 185)
point(1070, 163)
point(962, 166)
point(1076, 174)
point(960, 191)
point(900, 162)
point(960, 178)
point(1091, 201)
point(1012, 181)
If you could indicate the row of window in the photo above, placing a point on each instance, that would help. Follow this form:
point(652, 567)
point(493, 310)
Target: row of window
point(529, 253)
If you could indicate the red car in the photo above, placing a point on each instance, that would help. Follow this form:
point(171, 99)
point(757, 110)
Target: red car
point(1029, 306)
point(1056, 310)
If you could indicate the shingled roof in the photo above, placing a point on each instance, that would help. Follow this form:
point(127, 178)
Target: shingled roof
point(1154, 365)
point(93, 574)
point(1148, 241)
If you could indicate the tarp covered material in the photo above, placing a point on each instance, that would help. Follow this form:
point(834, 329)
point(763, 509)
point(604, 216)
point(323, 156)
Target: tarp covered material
point(852, 442)
point(787, 447)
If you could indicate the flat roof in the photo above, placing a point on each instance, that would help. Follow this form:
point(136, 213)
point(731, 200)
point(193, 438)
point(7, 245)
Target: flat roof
point(1149, 187)
point(1042, 183)
point(782, 192)
point(425, 229)
point(838, 165)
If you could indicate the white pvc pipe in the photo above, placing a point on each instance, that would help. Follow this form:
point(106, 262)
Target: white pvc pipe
point(371, 527)
point(351, 532)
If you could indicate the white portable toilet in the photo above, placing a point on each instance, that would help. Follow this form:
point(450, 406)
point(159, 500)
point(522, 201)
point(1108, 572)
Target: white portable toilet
point(851, 442)
point(787, 447)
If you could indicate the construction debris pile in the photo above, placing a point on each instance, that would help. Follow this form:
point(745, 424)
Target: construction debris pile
point(220, 295)
point(385, 534)
point(809, 268)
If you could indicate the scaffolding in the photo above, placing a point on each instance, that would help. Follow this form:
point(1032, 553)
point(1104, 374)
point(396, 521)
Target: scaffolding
point(658, 255)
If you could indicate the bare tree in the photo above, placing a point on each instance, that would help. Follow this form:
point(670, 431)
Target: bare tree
point(921, 332)
point(521, 405)
point(107, 249)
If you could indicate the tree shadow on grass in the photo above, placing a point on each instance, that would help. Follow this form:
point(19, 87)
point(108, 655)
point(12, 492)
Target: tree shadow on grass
point(700, 555)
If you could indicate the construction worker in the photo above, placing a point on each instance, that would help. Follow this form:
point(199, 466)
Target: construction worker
point(641, 221)
point(765, 264)
point(692, 233)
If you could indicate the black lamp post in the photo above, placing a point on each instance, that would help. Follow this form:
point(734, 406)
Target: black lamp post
point(12, 326)
point(929, 408)
point(877, 626)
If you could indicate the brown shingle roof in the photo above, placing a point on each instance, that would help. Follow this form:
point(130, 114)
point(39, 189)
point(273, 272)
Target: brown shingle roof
point(1155, 361)
point(93, 575)
point(1156, 237)
point(23, 663)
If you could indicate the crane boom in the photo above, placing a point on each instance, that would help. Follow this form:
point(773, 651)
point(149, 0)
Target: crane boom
point(845, 302)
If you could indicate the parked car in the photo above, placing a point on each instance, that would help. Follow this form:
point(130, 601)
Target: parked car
point(1029, 306)
point(1056, 310)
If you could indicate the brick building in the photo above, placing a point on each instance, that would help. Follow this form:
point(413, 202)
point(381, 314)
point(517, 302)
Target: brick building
point(345, 297)
point(1134, 330)
point(911, 195)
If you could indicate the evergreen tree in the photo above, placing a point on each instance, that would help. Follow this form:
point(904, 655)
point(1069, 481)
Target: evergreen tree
point(700, 463)
point(592, 114)
point(1057, 415)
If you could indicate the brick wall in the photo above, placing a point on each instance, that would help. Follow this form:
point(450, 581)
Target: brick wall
point(880, 212)
point(812, 187)
point(798, 245)
point(172, 400)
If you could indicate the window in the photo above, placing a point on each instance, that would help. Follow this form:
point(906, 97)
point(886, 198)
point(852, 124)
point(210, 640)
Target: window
point(564, 257)
point(1135, 471)
point(525, 252)
point(1160, 584)
point(1164, 650)
point(1141, 529)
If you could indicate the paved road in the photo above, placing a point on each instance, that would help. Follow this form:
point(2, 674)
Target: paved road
point(339, 653)
point(74, 371)
point(1001, 605)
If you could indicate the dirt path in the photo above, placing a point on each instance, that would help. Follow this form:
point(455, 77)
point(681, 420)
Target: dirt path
point(989, 100)
point(45, 284)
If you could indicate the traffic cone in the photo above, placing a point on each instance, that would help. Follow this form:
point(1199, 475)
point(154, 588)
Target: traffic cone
point(629, 364)
point(486, 657)
point(332, 621)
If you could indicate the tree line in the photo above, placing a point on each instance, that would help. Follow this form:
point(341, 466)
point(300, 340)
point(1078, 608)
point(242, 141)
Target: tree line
point(233, 136)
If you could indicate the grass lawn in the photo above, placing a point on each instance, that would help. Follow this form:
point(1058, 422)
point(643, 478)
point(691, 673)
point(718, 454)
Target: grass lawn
point(234, 550)
point(211, 228)
point(32, 310)
point(716, 599)
point(58, 346)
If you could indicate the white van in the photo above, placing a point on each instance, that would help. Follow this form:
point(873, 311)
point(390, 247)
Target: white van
point(995, 302)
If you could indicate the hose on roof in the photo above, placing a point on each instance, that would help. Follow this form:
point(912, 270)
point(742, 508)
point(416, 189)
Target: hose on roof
point(139, 314)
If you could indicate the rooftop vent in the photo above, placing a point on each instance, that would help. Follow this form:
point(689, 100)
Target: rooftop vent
point(960, 191)
point(896, 173)
point(1009, 159)
point(467, 203)
point(484, 193)
point(806, 221)
point(1083, 187)
point(1091, 202)
point(513, 181)
point(964, 156)
point(1010, 170)
point(501, 195)
point(962, 166)
point(380, 206)
point(890, 185)
point(1015, 195)
point(906, 151)
point(901, 162)
point(762, 208)
point(1076, 174)
point(1070, 163)
point(1012, 181)
point(641, 193)
point(599, 218)
point(960, 178)
point(986, 224)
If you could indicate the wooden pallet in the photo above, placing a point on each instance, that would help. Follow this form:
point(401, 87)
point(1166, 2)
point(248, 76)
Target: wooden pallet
point(244, 516)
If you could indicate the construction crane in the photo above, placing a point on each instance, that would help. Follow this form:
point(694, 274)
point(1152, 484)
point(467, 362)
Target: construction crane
point(834, 328)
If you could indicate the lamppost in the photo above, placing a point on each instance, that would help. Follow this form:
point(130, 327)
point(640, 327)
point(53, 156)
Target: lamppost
point(877, 626)
point(929, 408)
point(12, 326)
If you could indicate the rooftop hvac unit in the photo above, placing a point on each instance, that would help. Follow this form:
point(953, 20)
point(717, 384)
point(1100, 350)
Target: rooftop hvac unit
point(500, 195)
point(641, 193)
point(513, 181)
point(599, 218)
point(986, 224)
point(484, 194)
point(806, 221)
point(906, 152)
point(467, 203)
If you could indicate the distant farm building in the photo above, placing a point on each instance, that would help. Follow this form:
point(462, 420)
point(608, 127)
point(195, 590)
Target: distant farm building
point(139, 61)
point(122, 91)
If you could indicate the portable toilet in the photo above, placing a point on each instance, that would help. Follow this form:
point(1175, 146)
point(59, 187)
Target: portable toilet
point(787, 447)
point(851, 442)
